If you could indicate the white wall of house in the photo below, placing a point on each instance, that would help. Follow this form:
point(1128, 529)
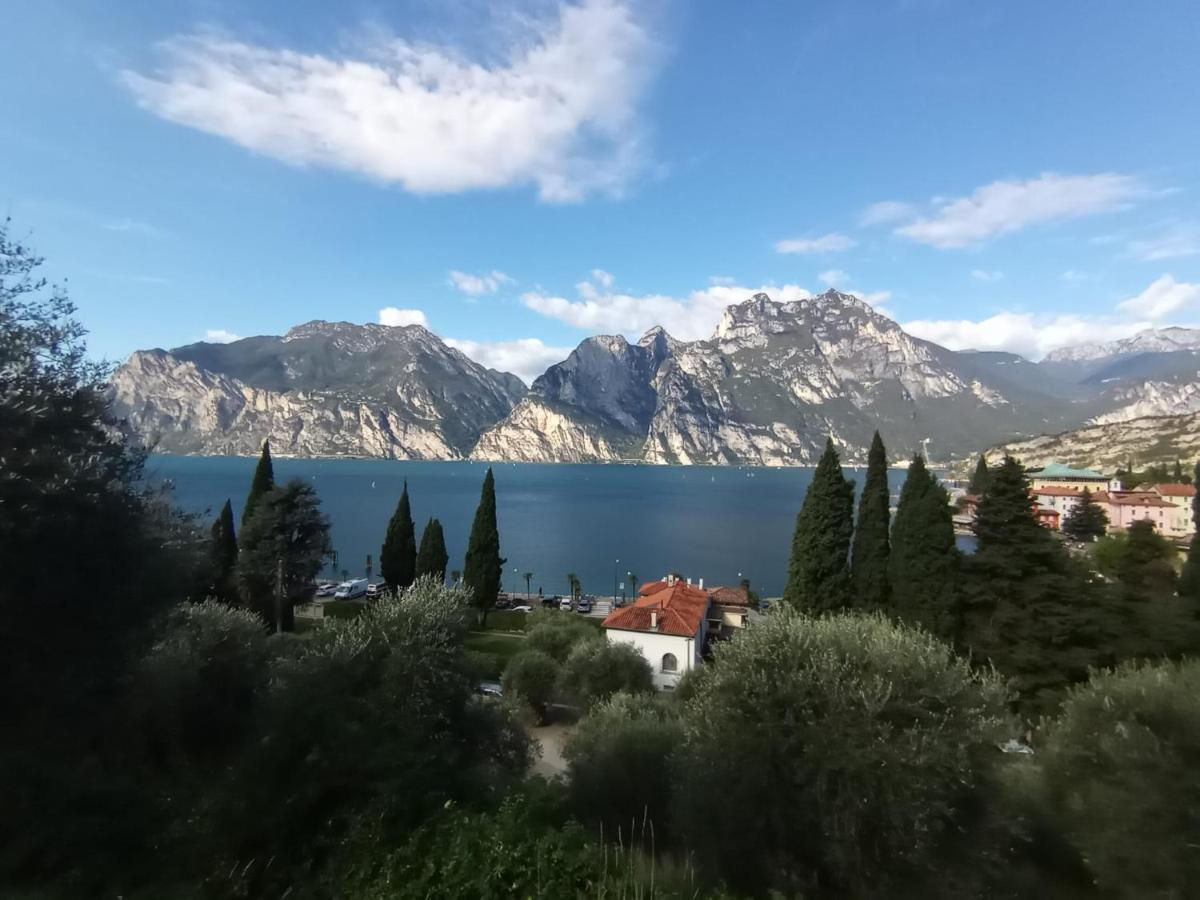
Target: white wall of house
point(655, 646)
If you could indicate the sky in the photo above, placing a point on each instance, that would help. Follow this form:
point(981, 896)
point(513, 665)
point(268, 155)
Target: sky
point(517, 176)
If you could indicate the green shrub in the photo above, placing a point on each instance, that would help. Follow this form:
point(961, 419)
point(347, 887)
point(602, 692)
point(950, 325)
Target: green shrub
point(1119, 774)
point(556, 634)
point(343, 609)
point(833, 755)
point(595, 670)
point(507, 620)
point(619, 760)
point(531, 677)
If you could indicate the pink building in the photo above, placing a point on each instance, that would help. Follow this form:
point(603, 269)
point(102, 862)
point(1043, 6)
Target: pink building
point(1126, 507)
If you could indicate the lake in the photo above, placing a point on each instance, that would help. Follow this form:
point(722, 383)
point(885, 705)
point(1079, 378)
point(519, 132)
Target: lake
point(599, 521)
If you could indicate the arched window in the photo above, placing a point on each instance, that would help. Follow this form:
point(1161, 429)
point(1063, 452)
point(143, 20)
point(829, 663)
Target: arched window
point(669, 662)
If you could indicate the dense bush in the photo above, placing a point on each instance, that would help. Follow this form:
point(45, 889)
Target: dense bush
point(556, 634)
point(531, 677)
point(1119, 774)
point(619, 761)
point(595, 670)
point(832, 755)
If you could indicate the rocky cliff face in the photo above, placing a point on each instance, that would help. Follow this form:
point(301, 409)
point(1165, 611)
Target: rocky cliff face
point(1152, 340)
point(766, 389)
point(323, 389)
point(1148, 440)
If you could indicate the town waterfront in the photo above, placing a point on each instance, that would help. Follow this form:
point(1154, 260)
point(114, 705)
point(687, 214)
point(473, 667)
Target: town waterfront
point(705, 521)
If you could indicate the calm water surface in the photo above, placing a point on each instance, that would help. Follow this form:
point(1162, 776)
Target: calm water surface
point(706, 522)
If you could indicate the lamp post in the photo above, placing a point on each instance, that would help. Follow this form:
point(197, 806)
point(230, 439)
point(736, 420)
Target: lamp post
point(616, 562)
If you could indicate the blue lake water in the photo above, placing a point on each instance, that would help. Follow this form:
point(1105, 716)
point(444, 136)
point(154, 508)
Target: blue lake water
point(706, 522)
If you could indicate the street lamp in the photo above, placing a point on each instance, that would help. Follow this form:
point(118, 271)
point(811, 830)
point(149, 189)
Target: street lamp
point(616, 562)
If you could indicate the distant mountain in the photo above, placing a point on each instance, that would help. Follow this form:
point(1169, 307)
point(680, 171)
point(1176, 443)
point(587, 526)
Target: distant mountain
point(773, 380)
point(323, 389)
point(1146, 440)
point(1152, 340)
point(766, 389)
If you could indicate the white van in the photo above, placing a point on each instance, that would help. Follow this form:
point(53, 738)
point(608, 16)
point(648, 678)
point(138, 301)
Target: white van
point(565, 603)
point(351, 590)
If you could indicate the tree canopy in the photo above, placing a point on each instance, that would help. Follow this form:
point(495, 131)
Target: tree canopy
point(872, 545)
point(223, 550)
point(819, 566)
point(483, 566)
point(264, 481)
point(432, 557)
point(1086, 520)
point(398, 557)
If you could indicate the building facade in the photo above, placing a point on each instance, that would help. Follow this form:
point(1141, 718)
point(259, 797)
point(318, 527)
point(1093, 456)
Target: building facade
point(668, 624)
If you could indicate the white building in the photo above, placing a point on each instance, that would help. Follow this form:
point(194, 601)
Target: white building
point(667, 624)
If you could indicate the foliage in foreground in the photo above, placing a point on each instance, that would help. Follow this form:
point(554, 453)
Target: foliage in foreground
point(833, 755)
point(1118, 775)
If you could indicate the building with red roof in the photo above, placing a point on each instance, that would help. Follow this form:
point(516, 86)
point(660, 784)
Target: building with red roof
point(668, 624)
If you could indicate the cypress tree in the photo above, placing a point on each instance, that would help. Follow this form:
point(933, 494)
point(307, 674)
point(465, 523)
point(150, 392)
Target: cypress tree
point(819, 567)
point(1178, 472)
point(1029, 609)
point(924, 562)
point(1189, 578)
point(223, 551)
point(263, 483)
point(1086, 521)
point(979, 479)
point(398, 556)
point(432, 557)
point(869, 558)
point(483, 566)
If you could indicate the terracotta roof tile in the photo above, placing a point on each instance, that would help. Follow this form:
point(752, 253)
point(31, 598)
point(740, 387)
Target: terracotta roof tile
point(680, 607)
point(1175, 490)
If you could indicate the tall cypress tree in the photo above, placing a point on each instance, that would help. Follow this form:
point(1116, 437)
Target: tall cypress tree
point(819, 567)
point(1030, 610)
point(432, 557)
point(223, 550)
point(398, 556)
point(979, 479)
point(1189, 578)
point(263, 483)
point(484, 565)
point(924, 562)
point(1086, 520)
point(869, 557)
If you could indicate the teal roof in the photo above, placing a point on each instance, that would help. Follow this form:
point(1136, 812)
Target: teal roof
point(1057, 470)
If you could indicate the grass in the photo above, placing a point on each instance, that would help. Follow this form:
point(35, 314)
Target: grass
point(489, 652)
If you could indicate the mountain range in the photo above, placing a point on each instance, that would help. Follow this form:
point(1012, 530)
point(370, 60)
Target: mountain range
point(765, 389)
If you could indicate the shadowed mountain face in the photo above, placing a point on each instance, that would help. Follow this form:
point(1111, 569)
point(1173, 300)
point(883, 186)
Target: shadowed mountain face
point(323, 389)
point(765, 389)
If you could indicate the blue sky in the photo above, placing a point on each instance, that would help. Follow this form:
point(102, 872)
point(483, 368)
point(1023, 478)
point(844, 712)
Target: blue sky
point(1017, 175)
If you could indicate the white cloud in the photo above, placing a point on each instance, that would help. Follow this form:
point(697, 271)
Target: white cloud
point(826, 243)
point(602, 278)
point(475, 285)
point(221, 336)
point(1030, 335)
point(1179, 240)
point(609, 311)
point(133, 226)
point(985, 275)
point(397, 318)
point(1163, 298)
point(527, 358)
point(833, 277)
point(724, 280)
point(1003, 207)
point(1072, 275)
point(554, 106)
point(885, 212)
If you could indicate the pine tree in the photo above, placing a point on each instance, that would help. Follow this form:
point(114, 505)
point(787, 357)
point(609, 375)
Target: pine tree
point(483, 566)
point(1189, 578)
point(223, 551)
point(1029, 610)
point(819, 567)
point(1178, 472)
point(264, 481)
point(924, 562)
point(432, 557)
point(1086, 520)
point(979, 480)
point(869, 559)
point(398, 556)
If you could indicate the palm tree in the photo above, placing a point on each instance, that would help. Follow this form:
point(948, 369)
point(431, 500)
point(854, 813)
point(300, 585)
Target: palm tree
point(576, 587)
point(632, 585)
point(528, 586)
point(455, 576)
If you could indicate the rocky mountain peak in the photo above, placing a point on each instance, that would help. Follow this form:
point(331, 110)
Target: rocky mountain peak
point(1151, 340)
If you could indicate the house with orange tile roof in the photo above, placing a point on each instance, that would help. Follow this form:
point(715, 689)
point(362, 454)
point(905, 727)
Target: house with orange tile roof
point(668, 624)
point(1126, 507)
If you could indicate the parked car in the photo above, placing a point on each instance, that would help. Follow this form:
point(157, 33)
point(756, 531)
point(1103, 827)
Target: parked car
point(326, 589)
point(584, 605)
point(565, 603)
point(551, 602)
point(522, 608)
point(351, 590)
point(376, 590)
point(489, 689)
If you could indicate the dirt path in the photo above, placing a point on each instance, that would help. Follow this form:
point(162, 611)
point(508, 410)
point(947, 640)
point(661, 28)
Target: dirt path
point(551, 738)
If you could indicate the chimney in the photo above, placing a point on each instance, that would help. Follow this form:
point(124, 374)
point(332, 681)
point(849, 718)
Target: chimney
point(689, 581)
point(654, 620)
point(701, 584)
